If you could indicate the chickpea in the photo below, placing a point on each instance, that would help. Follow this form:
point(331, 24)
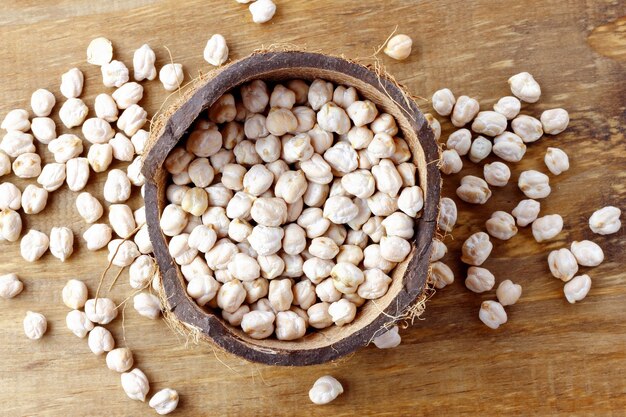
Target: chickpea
point(342, 312)
point(258, 324)
point(528, 128)
point(524, 86)
point(547, 227)
point(480, 149)
point(439, 250)
point(464, 111)
point(451, 162)
point(534, 184)
point(501, 225)
point(443, 101)
point(441, 275)
point(289, 326)
point(394, 248)
point(399, 47)
point(280, 294)
point(587, 253)
point(554, 121)
point(496, 174)
point(460, 141)
point(399, 224)
point(411, 201)
point(304, 294)
point(346, 277)
point(606, 220)
point(508, 106)
point(508, 293)
point(434, 125)
point(526, 212)
point(317, 269)
point(473, 190)
point(479, 279)
point(318, 315)
point(476, 249)
point(374, 229)
point(375, 285)
point(556, 160)
point(563, 264)
point(509, 146)
point(373, 259)
point(489, 123)
point(577, 288)
point(492, 314)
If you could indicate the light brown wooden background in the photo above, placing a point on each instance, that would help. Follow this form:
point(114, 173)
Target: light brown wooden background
point(551, 358)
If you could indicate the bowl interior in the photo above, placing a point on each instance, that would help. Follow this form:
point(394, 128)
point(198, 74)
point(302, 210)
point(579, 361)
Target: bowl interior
point(334, 341)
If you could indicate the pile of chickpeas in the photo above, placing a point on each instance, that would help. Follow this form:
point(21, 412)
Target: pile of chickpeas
point(290, 205)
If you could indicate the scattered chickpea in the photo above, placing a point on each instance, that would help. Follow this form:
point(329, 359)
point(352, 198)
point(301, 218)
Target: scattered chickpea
point(451, 162)
point(42, 101)
point(524, 86)
point(508, 106)
point(10, 286)
point(464, 111)
point(606, 220)
point(547, 227)
point(114, 74)
point(216, 50)
point(587, 253)
point(78, 323)
point(476, 249)
point(473, 190)
point(508, 293)
point(509, 146)
point(262, 11)
point(389, 339)
point(492, 314)
point(489, 123)
point(554, 121)
point(120, 360)
point(480, 149)
point(99, 51)
point(325, 390)
point(479, 279)
point(496, 174)
point(143, 63)
point(434, 125)
point(556, 160)
point(171, 76)
point(441, 275)
point(443, 101)
point(399, 47)
point(577, 288)
point(501, 225)
point(35, 325)
point(526, 212)
point(460, 140)
point(534, 184)
point(135, 384)
point(527, 128)
point(563, 264)
point(164, 401)
point(447, 214)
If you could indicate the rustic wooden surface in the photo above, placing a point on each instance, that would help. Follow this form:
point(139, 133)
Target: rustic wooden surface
point(551, 358)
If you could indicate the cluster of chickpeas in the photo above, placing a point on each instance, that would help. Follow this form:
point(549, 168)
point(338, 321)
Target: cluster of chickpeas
point(88, 145)
point(510, 146)
point(290, 205)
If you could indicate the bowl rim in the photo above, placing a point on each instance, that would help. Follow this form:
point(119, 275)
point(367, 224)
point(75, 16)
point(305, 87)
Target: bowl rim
point(162, 141)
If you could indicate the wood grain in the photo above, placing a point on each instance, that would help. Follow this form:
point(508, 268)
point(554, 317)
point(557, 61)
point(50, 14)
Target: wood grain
point(552, 358)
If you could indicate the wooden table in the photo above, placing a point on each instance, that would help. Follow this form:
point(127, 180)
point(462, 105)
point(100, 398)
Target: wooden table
point(551, 358)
